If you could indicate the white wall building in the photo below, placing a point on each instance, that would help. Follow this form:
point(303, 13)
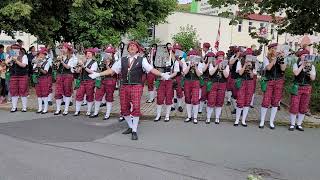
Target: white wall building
point(27, 38)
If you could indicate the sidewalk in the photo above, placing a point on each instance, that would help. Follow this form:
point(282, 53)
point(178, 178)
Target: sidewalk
point(149, 109)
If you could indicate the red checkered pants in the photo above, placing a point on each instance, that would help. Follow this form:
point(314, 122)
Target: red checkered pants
point(150, 80)
point(50, 83)
point(130, 93)
point(165, 92)
point(245, 93)
point(216, 95)
point(300, 103)
point(273, 94)
point(64, 85)
point(42, 87)
point(204, 93)
point(191, 91)
point(255, 77)
point(107, 88)
point(86, 88)
point(179, 89)
point(231, 87)
point(19, 86)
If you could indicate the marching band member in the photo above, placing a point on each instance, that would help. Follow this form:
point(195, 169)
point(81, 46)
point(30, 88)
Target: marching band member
point(274, 68)
point(246, 70)
point(204, 95)
point(108, 84)
point(219, 73)
point(233, 61)
point(40, 79)
point(165, 89)
point(86, 67)
point(178, 90)
point(304, 73)
point(151, 77)
point(192, 71)
point(64, 66)
point(18, 83)
point(256, 52)
point(131, 69)
point(49, 57)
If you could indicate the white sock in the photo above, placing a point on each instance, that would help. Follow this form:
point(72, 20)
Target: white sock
point(252, 99)
point(263, 113)
point(238, 114)
point(24, 103)
point(233, 103)
point(189, 109)
point(129, 121)
point(67, 101)
point(195, 111)
point(109, 107)
point(96, 107)
point(14, 100)
point(78, 106)
point(245, 114)
point(201, 106)
point(200, 92)
point(159, 107)
point(218, 113)
point(64, 98)
point(300, 119)
point(85, 99)
point(58, 104)
point(209, 112)
point(39, 104)
point(293, 118)
point(50, 97)
point(229, 94)
point(45, 100)
point(151, 95)
point(104, 99)
point(179, 102)
point(90, 104)
point(273, 115)
point(168, 109)
point(135, 122)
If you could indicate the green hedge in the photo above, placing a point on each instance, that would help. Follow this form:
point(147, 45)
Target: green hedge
point(315, 98)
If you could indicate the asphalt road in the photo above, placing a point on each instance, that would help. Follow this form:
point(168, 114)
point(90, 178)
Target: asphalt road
point(45, 147)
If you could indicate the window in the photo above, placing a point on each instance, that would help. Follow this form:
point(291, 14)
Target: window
point(14, 33)
point(20, 33)
point(240, 26)
point(250, 27)
point(150, 32)
point(272, 29)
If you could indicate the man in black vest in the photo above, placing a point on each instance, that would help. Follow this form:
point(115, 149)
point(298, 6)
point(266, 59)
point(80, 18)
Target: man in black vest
point(131, 69)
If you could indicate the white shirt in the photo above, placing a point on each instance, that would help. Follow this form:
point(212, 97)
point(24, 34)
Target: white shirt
point(93, 67)
point(227, 69)
point(312, 72)
point(239, 66)
point(145, 65)
point(200, 66)
point(46, 67)
point(24, 59)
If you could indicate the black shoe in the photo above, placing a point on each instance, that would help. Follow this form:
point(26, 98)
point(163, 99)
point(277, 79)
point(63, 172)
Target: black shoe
point(187, 120)
point(172, 108)
point(279, 108)
point(71, 104)
point(199, 112)
point(94, 116)
point(103, 104)
point(63, 103)
point(83, 104)
point(14, 110)
point(299, 128)
point(234, 111)
point(235, 124)
point(106, 118)
point(244, 125)
point(57, 113)
point(128, 131)
point(180, 109)
point(195, 121)
point(261, 127)
point(291, 128)
point(76, 114)
point(208, 121)
point(251, 107)
point(272, 127)
point(175, 100)
point(64, 114)
point(166, 119)
point(134, 136)
point(121, 119)
point(39, 112)
point(217, 122)
point(23, 110)
point(156, 120)
point(228, 103)
point(150, 101)
point(50, 103)
point(44, 112)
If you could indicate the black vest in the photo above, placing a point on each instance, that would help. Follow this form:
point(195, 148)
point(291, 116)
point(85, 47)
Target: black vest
point(275, 72)
point(134, 75)
point(234, 74)
point(191, 75)
point(85, 75)
point(103, 67)
point(303, 79)
point(16, 70)
point(218, 77)
point(43, 65)
point(246, 75)
point(62, 69)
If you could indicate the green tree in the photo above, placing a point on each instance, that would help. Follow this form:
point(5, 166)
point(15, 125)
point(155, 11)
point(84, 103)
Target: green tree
point(187, 37)
point(300, 16)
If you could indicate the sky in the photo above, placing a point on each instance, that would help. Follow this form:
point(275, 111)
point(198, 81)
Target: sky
point(184, 1)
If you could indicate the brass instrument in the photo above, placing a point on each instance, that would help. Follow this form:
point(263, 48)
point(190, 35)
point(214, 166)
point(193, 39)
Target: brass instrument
point(252, 60)
point(309, 59)
point(57, 61)
point(81, 61)
point(37, 61)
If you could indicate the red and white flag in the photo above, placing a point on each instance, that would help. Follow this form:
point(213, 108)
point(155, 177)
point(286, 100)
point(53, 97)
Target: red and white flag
point(216, 44)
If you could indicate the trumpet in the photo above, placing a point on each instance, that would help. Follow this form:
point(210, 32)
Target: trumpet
point(80, 63)
point(37, 61)
point(248, 68)
point(308, 67)
point(280, 60)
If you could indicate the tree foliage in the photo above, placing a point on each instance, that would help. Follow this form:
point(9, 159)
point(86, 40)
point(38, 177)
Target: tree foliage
point(299, 16)
point(187, 37)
